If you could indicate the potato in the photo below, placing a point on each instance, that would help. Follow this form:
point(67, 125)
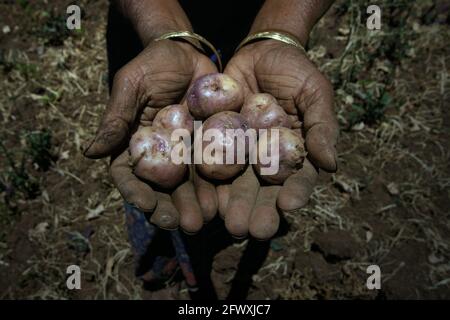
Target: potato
point(222, 121)
point(262, 111)
point(213, 93)
point(173, 117)
point(290, 156)
point(150, 154)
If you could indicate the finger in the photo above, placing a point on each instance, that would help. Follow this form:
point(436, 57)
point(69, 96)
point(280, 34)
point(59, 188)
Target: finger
point(244, 190)
point(297, 188)
point(320, 124)
point(295, 122)
point(185, 201)
point(223, 196)
point(119, 116)
point(203, 67)
point(207, 197)
point(166, 215)
point(265, 220)
point(133, 190)
point(248, 81)
point(148, 114)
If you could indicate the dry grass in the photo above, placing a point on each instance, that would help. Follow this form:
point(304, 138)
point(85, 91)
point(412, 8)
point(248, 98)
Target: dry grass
point(398, 144)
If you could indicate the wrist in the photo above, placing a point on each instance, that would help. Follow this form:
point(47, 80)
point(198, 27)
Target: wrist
point(149, 32)
point(301, 33)
point(261, 48)
point(195, 40)
point(296, 17)
point(153, 18)
point(280, 37)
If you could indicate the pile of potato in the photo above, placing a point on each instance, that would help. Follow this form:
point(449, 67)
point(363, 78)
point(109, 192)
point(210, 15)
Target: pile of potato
point(219, 102)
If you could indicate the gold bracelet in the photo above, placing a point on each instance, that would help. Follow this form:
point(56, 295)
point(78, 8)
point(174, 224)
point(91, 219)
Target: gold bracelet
point(192, 35)
point(274, 35)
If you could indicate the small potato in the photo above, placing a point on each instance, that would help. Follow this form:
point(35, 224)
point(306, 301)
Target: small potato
point(262, 111)
point(223, 121)
point(291, 154)
point(213, 93)
point(173, 117)
point(150, 153)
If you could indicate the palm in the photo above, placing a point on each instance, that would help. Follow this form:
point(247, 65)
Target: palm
point(283, 71)
point(305, 94)
point(165, 81)
point(157, 77)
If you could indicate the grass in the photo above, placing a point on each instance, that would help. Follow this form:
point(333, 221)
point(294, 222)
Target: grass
point(392, 87)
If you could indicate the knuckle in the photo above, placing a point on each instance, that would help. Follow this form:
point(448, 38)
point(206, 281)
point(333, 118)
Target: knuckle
point(321, 84)
point(325, 81)
point(114, 174)
point(128, 76)
point(326, 85)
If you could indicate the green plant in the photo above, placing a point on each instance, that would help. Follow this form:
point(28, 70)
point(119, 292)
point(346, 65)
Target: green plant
point(370, 108)
point(17, 178)
point(54, 30)
point(23, 3)
point(38, 148)
point(12, 62)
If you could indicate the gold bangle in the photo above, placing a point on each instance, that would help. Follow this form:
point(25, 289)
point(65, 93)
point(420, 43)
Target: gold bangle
point(192, 35)
point(274, 35)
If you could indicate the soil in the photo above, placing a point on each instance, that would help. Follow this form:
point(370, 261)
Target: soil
point(388, 204)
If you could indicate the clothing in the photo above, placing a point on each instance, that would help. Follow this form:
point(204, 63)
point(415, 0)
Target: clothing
point(224, 25)
point(158, 253)
point(154, 266)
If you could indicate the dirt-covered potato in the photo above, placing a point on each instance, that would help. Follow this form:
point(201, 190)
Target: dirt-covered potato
point(223, 121)
point(150, 154)
point(290, 155)
point(214, 93)
point(173, 117)
point(262, 111)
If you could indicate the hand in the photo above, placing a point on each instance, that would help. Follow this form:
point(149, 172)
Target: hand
point(285, 72)
point(157, 77)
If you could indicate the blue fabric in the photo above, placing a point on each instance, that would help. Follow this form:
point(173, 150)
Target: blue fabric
point(141, 234)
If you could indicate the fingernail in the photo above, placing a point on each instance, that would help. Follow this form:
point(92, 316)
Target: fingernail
point(239, 237)
point(165, 221)
point(335, 159)
point(144, 205)
point(330, 159)
point(189, 233)
point(143, 209)
point(87, 150)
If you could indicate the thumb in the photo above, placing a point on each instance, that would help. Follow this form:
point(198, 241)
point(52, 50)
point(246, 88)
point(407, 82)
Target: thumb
point(320, 124)
point(119, 116)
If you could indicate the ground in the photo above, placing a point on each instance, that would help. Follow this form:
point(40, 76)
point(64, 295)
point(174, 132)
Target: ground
point(388, 204)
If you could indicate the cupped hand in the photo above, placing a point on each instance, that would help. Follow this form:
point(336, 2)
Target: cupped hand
point(285, 72)
point(159, 76)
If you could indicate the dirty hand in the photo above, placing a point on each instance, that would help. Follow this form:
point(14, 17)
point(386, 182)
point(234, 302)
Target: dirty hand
point(285, 72)
point(157, 77)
